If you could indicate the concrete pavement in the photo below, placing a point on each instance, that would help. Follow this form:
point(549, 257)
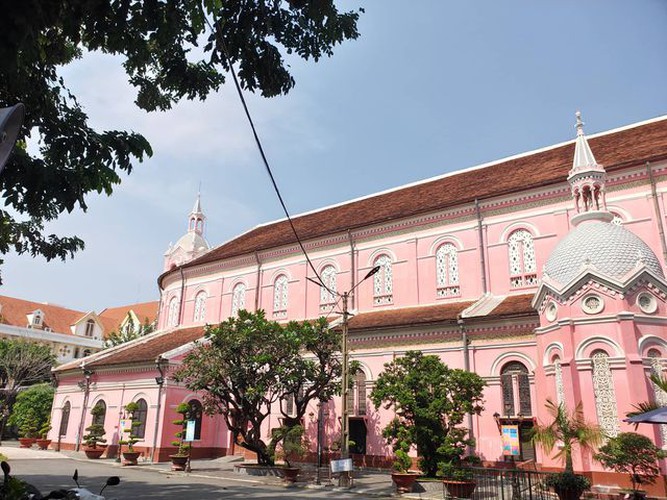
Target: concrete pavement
point(367, 484)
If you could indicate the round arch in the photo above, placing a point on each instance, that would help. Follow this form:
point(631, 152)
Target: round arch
point(586, 347)
point(501, 360)
point(447, 238)
point(379, 252)
point(531, 228)
point(647, 342)
point(550, 350)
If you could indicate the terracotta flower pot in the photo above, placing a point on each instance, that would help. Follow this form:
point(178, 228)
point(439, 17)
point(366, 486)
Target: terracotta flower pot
point(404, 481)
point(93, 453)
point(290, 474)
point(178, 462)
point(460, 489)
point(43, 444)
point(130, 457)
point(26, 442)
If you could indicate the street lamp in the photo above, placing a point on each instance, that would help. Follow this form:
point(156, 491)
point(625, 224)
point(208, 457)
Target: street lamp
point(345, 376)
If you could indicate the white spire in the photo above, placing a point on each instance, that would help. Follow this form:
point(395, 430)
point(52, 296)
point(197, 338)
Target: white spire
point(196, 210)
point(583, 156)
point(197, 217)
point(587, 181)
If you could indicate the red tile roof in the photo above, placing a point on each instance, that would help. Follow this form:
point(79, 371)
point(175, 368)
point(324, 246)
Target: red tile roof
point(58, 318)
point(145, 349)
point(635, 145)
point(407, 316)
point(114, 316)
point(514, 305)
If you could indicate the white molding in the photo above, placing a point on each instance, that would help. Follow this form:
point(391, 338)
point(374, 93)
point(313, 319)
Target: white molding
point(585, 344)
point(509, 356)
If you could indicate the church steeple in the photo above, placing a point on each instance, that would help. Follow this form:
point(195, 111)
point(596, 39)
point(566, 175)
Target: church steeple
point(587, 180)
point(197, 218)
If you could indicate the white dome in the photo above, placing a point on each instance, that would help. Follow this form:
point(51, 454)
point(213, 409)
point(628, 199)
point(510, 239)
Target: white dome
point(609, 249)
point(192, 242)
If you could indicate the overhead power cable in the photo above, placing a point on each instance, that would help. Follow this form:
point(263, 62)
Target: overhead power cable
point(225, 53)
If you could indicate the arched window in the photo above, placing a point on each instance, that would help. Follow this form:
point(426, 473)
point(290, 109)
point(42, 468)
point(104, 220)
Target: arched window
point(238, 298)
point(280, 296)
point(90, 327)
point(447, 271)
point(99, 418)
point(200, 307)
point(64, 419)
point(523, 267)
point(560, 388)
point(196, 413)
point(356, 397)
point(383, 282)
point(172, 316)
point(605, 397)
point(516, 389)
point(140, 416)
point(327, 298)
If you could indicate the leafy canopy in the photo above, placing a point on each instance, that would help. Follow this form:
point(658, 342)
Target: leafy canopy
point(32, 407)
point(160, 42)
point(248, 364)
point(22, 363)
point(129, 331)
point(633, 454)
point(431, 401)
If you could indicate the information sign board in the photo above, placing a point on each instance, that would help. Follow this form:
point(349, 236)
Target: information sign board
point(344, 465)
point(511, 444)
point(190, 430)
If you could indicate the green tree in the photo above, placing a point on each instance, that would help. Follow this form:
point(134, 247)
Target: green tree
point(159, 42)
point(633, 454)
point(248, 364)
point(34, 404)
point(431, 401)
point(128, 332)
point(570, 430)
point(22, 363)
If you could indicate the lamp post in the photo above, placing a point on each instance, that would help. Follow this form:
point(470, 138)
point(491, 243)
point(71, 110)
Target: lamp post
point(84, 386)
point(345, 375)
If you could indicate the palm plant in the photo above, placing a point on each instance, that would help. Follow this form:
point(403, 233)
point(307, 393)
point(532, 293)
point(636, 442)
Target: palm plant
point(646, 406)
point(570, 429)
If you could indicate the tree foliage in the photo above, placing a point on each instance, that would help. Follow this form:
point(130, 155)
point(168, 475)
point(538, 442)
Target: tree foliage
point(633, 454)
point(172, 49)
point(22, 363)
point(569, 430)
point(248, 364)
point(32, 405)
point(431, 401)
point(129, 331)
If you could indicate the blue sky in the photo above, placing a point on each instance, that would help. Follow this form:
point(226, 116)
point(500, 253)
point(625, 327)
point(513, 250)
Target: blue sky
point(431, 86)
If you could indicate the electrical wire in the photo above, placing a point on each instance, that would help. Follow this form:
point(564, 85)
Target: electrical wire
point(225, 53)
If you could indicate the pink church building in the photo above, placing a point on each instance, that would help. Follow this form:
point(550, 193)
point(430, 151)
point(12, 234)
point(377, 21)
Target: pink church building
point(543, 273)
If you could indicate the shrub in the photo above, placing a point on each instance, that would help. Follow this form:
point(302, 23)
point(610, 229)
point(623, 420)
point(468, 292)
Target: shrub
point(183, 448)
point(633, 454)
point(95, 431)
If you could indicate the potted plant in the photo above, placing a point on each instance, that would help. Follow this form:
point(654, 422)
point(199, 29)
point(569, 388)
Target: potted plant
point(293, 447)
point(456, 470)
point(94, 442)
point(28, 431)
point(130, 456)
point(180, 458)
point(633, 454)
point(570, 430)
point(42, 442)
point(401, 475)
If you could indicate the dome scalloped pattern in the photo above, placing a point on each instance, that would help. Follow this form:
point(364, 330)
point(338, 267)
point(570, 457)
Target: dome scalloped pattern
point(610, 249)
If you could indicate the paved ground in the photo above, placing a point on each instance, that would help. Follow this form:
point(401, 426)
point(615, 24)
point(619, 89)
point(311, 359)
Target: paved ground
point(209, 479)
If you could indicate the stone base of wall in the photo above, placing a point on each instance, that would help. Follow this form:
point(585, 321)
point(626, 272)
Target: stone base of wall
point(161, 454)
